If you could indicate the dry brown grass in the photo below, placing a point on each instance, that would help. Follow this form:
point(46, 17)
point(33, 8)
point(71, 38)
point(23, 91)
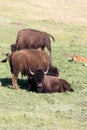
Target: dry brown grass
point(69, 11)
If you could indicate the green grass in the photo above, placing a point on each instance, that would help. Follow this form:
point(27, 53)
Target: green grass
point(67, 22)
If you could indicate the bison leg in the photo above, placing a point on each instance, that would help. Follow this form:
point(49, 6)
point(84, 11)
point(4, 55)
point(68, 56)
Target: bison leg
point(50, 53)
point(50, 50)
point(14, 81)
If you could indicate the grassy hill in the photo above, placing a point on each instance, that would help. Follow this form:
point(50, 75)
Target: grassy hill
point(66, 20)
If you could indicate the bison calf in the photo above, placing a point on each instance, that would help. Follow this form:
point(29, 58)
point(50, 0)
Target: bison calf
point(32, 39)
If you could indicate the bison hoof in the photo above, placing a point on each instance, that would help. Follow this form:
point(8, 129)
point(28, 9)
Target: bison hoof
point(15, 87)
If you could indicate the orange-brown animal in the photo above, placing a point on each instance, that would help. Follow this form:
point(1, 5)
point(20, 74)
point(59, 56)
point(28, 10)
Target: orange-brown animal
point(77, 58)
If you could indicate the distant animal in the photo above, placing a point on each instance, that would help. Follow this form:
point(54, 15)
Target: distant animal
point(32, 39)
point(78, 58)
point(41, 83)
point(23, 60)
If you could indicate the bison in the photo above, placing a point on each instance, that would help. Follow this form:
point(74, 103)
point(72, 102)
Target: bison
point(53, 71)
point(41, 83)
point(35, 81)
point(54, 84)
point(23, 60)
point(32, 39)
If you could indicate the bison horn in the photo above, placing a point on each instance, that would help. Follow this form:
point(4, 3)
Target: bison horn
point(31, 72)
point(46, 70)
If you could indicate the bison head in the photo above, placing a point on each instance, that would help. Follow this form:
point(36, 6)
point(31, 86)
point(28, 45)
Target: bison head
point(37, 79)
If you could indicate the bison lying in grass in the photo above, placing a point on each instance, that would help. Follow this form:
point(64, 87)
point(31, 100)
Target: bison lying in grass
point(41, 83)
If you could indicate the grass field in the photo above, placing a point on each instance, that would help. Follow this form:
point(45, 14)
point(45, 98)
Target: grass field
point(66, 20)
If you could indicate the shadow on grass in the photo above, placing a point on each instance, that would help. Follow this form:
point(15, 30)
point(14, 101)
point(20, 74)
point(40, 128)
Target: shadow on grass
point(7, 82)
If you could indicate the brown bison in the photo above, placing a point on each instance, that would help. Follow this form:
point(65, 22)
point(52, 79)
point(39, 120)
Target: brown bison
point(54, 84)
point(23, 60)
point(41, 83)
point(35, 80)
point(32, 39)
point(53, 71)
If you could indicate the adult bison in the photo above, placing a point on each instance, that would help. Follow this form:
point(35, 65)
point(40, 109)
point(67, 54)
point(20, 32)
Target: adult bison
point(41, 83)
point(54, 84)
point(23, 60)
point(32, 39)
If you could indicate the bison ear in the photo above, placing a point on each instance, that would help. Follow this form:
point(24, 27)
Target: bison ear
point(31, 72)
point(46, 70)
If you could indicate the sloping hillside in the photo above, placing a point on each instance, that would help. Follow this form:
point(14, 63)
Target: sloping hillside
point(73, 11)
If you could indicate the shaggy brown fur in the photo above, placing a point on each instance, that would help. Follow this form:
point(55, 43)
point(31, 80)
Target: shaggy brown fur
point(21, 61)
point(54, 84)
point(32, 39)
point(47, 84)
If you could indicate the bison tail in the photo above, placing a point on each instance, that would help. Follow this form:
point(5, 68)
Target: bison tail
point(52, 37)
